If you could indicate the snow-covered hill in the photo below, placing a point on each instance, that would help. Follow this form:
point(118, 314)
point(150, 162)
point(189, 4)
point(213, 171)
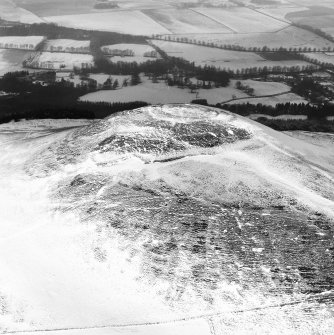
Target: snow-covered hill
point(193, 219)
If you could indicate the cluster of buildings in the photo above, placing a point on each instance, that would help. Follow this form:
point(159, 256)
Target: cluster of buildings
point(110, 51)
point(151, 54)
point(37, 61)
point(21, 42)
point(72, 49)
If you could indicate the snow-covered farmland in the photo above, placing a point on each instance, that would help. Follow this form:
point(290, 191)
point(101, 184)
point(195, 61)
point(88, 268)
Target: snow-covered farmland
point(307, 3)
point(10, 12)
point(319, 17)
point(273, 101)
point(243, 20)
point(290, 37)
point(329, 31)
point(265, 87)
point(20, 42)
point(182, 21)
point(156, 93)
point(224, 59)
point(127, 22)
point(59, 60)
point(67, 45)
point(210, 56)
point(11, 60)
point(324, 57)
point(130, 52)
point(280, 12)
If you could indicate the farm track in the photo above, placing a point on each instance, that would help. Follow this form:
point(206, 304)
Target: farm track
point(316, 298)
point(257, 97)
point(212, 19)
point(272, 17)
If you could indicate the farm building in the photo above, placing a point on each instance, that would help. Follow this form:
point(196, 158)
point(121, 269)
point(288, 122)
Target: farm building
point(58, 61)
point(151, 54)
point(118, 52)
point(130, 50)
point(67, 45)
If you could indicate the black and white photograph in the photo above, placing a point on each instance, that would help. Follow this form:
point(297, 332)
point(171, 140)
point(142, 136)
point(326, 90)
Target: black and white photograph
point(167, 167)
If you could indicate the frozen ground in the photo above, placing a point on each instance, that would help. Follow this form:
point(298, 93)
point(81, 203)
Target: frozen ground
point(191, 220)
point(59, 60)
point(159, 93)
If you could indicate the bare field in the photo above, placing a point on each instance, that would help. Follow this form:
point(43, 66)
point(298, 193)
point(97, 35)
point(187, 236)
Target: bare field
point(224, 59)
point(180, 21)
point(126, 22)
point(243, 20)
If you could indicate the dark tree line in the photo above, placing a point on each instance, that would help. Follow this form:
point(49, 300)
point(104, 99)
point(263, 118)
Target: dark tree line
point(160, 68)
point(312, 112)
point(316, 121)
point(30, 100)
point(30, 107)
point(304, 125)
point(311, 90)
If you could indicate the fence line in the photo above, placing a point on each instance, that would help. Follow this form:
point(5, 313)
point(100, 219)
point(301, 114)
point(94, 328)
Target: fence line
point(311, 299)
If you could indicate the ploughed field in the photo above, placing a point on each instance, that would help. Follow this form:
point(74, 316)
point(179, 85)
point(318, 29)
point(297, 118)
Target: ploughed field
point(166, 213)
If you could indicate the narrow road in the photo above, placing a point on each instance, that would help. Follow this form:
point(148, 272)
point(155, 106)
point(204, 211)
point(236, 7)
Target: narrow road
point(257, 97)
